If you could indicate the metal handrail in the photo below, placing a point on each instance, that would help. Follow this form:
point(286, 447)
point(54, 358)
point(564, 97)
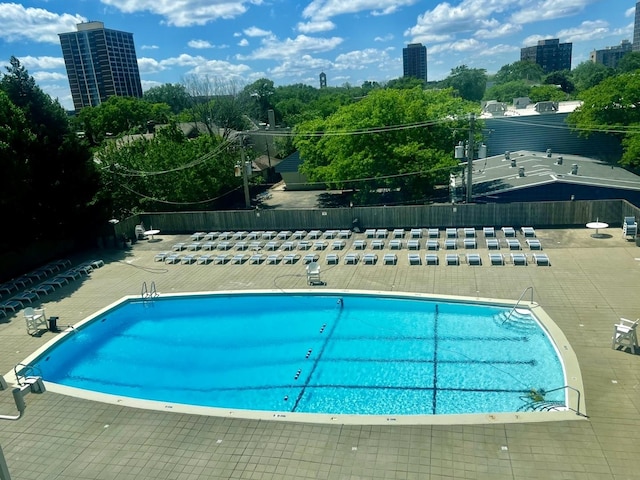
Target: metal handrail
point(579, 397)
point(144, 293)
point(518, 303)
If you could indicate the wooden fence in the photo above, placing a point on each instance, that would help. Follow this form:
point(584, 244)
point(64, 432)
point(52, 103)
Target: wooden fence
point(538, 214)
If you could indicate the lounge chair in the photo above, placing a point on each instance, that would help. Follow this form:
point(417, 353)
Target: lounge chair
point(310, 258)
point(451, 233)
point(26, 297)
point(290, 258)
point(189, 259)
point(377, 244)
point(273, 259)
point(431, 259)
point(254, 235)
point(271, 246)
point(474, 259)
point(256, 258)
point(9, 288)
point(338, 244)
point(12, 305)
point(299, 234)
point(56, 281)
point(413, 244)
point(414, 259)
point(194, 246)
point(313, 274)
point(209, 246)
point(344, 234)
point(239, 258)
point(415, 233)
point(221, 258)
point(211, 236)
point(534, 244)
point(359, 244)
point(469, 232)
point(450, 244)
point(239, 235)
point(242, 245)
point(197, 236)
point(178, 246)
point(513, 244)
point(382, 233)
point(395, 244)
point(44, 289)
point(225, 236)
point(255, 246)
point(624, 335)
point(541, 259)
point(433, 244)
point(433, 233)
point(304, 245)
point(493, 244)
point(489, 232)
point(509, 232)
point(319, 245)
point(288, 246)
point(397, 233)
point(226, 245)
point(390, 259)
point(315, 234)
point(519, 259)
point(496, 259)
point(330, 234)
point(351, 258)
point(173, 258)
point(470, 243)
point(268, 235)
point(629, 227)
point(283, 235)
point(370, 233)
point(34, 319)
point(528, 232)
point(332, 259)
point(204, 259)
point(452, 259)
point(369, 259)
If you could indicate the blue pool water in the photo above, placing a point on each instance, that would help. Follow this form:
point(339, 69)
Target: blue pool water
point(337, 354)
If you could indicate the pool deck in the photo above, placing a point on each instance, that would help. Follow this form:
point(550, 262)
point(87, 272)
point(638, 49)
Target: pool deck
point(590, 284)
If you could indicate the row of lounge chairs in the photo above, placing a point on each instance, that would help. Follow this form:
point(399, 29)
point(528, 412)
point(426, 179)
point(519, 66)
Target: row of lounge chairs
point(29, 288)
point(379, 233)
point(351, 258)
point(340, 244)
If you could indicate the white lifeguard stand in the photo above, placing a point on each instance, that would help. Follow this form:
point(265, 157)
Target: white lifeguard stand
point(624, 335)
point(313, 273)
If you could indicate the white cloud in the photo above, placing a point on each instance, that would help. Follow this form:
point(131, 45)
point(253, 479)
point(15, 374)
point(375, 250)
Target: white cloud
point(256, 32)
point(48, 76)
point(219, 68)
point(183, 60)
point(465, 45)
point(316, 27)
point(34, 24)
point(324, 9)
point(386, 38)
point(186, 12)
point(46, 63)
point(147, 84)
point(503, 30)
point(498, 50)
point(534, 39)
point(360, 59)
point(272, 48)
point(150, 47)
point(300, 67)
point(630, 12)
point(549, 10)
point(243, 43)
point(200, 44)
point(588, 30)
point(149, 65)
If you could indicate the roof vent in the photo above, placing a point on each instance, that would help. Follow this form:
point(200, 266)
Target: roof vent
point(559, 162)
point(521, 172)
point(574, 169)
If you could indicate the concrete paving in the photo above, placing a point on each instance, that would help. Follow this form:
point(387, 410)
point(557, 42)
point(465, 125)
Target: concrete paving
point(589, 285)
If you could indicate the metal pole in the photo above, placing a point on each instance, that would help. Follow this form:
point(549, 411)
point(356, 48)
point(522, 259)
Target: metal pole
point(245, 175)
point(472, 119)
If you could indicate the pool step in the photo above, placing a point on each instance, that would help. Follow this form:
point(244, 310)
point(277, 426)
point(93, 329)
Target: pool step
point(516, 321)
point(543, 407)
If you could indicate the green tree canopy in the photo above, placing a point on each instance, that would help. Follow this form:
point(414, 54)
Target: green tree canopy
point(546, 93)
point(173, 94)
point(359, 141)
point(561, 79)
point(589, 74)
point(524, 70)
point(506, 92)
point(629, 63)
point(470, 83)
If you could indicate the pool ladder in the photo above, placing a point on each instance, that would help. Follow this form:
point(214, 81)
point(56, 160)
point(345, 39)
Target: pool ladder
point(150, 292)
point(515, 307)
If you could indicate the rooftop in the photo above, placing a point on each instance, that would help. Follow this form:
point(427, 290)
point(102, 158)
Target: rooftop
point(590, 284)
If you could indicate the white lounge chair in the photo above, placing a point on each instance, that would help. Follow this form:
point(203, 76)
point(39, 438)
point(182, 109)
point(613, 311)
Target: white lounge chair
point(450, 244)
point(310, 258)
point(204, 259)
point(414, 259)
point(519, 259)
point(493, 244)
point(433, 244)
point(189, 259)
point(624, 335)
point(513, 244)
point(509, 232)
point(534, 244)
point(369, 259)
point(359, 244)
point(528, 232)
point(239, 259)
point(351, 258)
point(489, 232)
point(413, 244)
point(431, 259)
point(273, 259)
point(452, 259)
point(332, 259)
point(395, 244)
point(496, 259)
point(541, 259)
point(390, 259)
point(474, 259)
point(377, 244)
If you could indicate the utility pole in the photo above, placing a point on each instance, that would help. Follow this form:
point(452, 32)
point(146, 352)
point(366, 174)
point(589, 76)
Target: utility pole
point(244, 168)
point(470, 145)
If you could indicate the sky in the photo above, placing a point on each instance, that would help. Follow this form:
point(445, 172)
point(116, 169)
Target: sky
point(290, 42)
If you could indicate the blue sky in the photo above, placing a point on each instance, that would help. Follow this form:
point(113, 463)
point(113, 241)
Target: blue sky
point(291, 42)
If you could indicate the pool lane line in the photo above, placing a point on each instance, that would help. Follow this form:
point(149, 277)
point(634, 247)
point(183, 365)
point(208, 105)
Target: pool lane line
point(319, 355)
point(434, 400)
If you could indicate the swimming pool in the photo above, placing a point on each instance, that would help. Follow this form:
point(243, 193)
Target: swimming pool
point(333, 353)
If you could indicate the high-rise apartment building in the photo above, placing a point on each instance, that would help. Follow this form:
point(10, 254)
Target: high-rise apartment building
point(100, 63)
point(414, 61)
point(635, 47)
point(550, 54)
point(610, 56)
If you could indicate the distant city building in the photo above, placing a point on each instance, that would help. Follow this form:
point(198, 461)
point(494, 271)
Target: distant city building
point(550, 54)
point(610, 56)
point(636, 31)
point(414, 61)
point(100, 63)
point(323, 80)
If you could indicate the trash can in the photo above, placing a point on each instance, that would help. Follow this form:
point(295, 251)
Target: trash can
point(53, 324)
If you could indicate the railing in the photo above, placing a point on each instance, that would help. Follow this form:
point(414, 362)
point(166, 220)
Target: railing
point(150, 292)
point(145, 292)
point(518, 303)
point(579, 397)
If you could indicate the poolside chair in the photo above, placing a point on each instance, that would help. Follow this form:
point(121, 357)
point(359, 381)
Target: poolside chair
point(541, 259)
point(194, 246)
point(319, 245)
point(239, 259)
point(474, 259)
point(496, 259)
point(273, 259)
point(415, 233)
point(34, 319)
point(197, 236)
point(12, 305)
point(310, 258)
point(178, 246)
point(351, 258)
point(288, 246)
point(239, 235)
point(254, 235)
point(450, 244)
point(470, 243)
point(413, 244)
point(433, 233)
point(382, 233)
point(395, 244)
point(431, 259)
point(189, 259)
point(242, 245)
point(204, 259)
point(283, 235)
point(330, 234)
point(390, 259)
point(44, 288)
point(452, 259)
point(26, 297)
point(344, 234)
point(160, 257)
point(290, 258)
point(173, 258)
point(370, 233)
point(338, 244)
point(469, 232)
point(369, 259)
point(624, 335)
point(377, 244)
point(225, 236)
point(534, 244)
point(271, 246)
point(256, 258)
point(209, 246)
point(489, 232)
point(509, 232)
point(269, 235)
point(493, 244)
point(226, 245)
point(629, 227)
point(359, 244)
point(398, 233)
point(513, 244)
point(304, 245)
point(528, 232)
point(255, 246)
point(519, 259)
point(313, 274)
point(221, 258)
point(451, 233)
point(315, 234)
point(433, 244)
point(332, 259)
point(414, 259)
point(211, 236)
point(299, 234)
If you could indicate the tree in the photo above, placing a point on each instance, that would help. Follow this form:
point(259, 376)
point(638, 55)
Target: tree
point(357, 147)
point(547, 93)
point(506, 92)
point(589, 74)
point(470, 83)
point(613, 104)
point(524, 70)
point(173, 94)
point(405, 83)
point(261, 92)
point(560, 79)
point(629, 63)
